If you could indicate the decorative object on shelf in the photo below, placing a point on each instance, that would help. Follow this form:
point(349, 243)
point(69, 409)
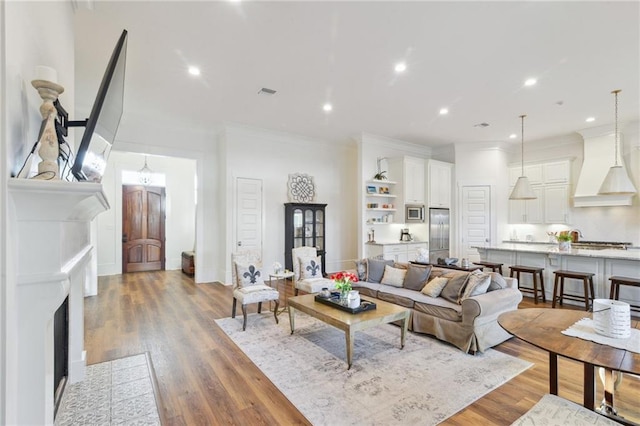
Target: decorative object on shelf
point(49, 91)
point(277, 267)
point(371, 189)
point(612, 318)
point(145, 175)
point(384, 190)
point(343, 282)
point(617, 180)
point(380, 175)
point(522, 190)
point(564, 241)
point(301, 188)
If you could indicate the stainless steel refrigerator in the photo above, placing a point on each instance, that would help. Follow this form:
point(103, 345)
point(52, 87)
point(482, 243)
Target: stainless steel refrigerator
point(438, 234)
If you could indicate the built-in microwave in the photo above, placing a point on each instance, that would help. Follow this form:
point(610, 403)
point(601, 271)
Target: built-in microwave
point(413, 213)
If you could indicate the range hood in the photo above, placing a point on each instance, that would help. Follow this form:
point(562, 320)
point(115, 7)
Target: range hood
point(598, 158)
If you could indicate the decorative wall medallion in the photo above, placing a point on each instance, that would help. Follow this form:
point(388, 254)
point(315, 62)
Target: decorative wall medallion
point(301, 188)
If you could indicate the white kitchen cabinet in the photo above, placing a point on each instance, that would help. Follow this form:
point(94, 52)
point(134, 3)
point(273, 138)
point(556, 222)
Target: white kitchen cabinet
point(527, 211)
point(556, 172)
point(409, 172)
point(401, 252)
point(439, 184)
point(556, 204)
point(532, 171)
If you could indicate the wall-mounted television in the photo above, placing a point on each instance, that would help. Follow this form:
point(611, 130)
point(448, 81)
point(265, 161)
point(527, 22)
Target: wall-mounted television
point(104, 119)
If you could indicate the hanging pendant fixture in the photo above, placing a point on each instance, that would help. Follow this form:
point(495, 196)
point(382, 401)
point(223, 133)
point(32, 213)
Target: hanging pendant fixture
point(617, 181)
point(145, 175)
point(522, 190)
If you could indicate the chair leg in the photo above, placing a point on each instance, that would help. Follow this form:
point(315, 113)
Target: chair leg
point(555, 291)
point(259, 307)
point(593, 294)
point(295, 292)
point(585, 284)
point(544, 297)
point(275, 311)
point(244, 315)
point(535, 288)
point(561, 290)
point(233, 309)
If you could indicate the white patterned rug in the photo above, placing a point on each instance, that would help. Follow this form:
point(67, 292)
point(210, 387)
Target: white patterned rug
point(424, 383)
point(118, 392)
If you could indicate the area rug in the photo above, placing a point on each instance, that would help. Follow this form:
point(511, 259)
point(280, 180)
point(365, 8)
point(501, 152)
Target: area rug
point(424, 383)
point(113, 393)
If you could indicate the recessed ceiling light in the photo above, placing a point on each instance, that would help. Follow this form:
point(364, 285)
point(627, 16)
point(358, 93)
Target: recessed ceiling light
point(444, 111)
point(327, 107)
point(590, 119)
point(530, 82)
point(400, 67)
point(194, 70)
point(513, 136)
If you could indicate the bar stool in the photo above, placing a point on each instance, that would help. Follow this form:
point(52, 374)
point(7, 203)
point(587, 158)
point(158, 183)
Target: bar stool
point(495, 267)
point(616, 282)
point(536, 273)
point(587, 281)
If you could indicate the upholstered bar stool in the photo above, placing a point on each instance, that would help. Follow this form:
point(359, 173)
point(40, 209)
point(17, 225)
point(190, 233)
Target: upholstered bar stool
point(495, 267)
point(616, 282)
point(536, 274)
point(558, 287)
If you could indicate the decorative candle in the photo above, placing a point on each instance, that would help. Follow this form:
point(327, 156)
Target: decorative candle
point(46, 73)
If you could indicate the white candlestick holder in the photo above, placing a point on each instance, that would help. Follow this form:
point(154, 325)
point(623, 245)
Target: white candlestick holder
point(49, 150)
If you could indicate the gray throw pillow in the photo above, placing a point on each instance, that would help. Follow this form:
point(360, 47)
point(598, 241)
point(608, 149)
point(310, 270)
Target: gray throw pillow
point(361, 269)
point(453, 289)
point(497, 282)
point(416, 277)
point(375, 269)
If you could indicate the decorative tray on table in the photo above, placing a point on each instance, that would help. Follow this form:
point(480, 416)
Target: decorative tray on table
point(334, 300)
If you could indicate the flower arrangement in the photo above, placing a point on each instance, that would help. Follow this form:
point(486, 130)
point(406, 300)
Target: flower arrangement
point(343, 281)
point(564, 237)
point(277, 267)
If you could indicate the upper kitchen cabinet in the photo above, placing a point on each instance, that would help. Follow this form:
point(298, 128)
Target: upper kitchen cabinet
point(527, 211)
point(556, 172)
point(439, 184)
point(556, 204)
point(531, 171)
point(409, 173)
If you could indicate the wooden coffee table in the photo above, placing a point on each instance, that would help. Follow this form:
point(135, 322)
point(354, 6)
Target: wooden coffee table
point(350, 323)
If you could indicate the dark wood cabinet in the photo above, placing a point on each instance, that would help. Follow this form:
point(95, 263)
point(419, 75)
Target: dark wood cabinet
point(304, 227)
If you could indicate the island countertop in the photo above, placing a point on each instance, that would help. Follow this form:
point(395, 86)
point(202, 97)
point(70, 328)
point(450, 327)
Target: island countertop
point(552, 249)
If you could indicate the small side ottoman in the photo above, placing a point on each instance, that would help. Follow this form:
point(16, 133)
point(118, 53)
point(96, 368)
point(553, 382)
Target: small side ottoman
point(188, 262)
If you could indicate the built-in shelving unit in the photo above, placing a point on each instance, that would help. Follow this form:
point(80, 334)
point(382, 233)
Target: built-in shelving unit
point(380, 202)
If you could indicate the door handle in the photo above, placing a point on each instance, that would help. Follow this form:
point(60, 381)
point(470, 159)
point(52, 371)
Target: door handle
point(239, 243)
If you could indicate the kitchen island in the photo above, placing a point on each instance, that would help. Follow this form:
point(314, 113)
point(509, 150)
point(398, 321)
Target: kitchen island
point(603, 263)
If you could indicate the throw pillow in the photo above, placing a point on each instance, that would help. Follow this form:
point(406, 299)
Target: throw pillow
point(416, 277)
point(497, 282)
point(393, 276)
point(375, 269)
point(248, 275)
point(361, 269)
point(453, 289)
point(434, 287)
point(311, 268)
point(478, 283)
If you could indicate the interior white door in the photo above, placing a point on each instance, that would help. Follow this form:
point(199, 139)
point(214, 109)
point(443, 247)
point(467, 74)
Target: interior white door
point(249, 214)
point(476, 219)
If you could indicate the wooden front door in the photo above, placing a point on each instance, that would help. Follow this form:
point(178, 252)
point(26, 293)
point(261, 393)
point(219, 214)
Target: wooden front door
point(142, 228)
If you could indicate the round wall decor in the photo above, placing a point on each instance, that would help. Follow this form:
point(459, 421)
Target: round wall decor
point(301, 188)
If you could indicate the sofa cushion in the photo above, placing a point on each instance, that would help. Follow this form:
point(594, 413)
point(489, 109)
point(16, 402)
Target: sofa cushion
point(416, 277)
point(249, 275)
point(375, 269)
point(397, 295)
point(455, 285)
point(438, 272)
point(435, 286)
point(393, 276)
point(438, 307)
point(311, 267)
point(477, 283)
point(361, 269)
point(497, 282)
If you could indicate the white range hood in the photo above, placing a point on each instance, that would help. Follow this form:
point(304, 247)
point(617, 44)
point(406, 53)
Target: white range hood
point(598, 158)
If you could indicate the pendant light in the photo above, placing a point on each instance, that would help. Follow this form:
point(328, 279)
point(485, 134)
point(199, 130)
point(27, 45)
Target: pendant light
point(617, 181)
point(145, 175)
point(522, 190)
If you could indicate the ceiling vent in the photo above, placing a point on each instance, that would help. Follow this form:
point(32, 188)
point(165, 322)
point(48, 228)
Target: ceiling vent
point(481, 125)
point(265, 91)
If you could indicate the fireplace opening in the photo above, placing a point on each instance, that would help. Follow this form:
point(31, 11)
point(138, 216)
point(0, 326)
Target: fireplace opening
point(60, 352)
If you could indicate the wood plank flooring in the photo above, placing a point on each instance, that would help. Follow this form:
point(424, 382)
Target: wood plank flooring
point(204, 379)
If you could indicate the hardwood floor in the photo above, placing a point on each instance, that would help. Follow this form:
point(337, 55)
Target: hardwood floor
point(205, 380)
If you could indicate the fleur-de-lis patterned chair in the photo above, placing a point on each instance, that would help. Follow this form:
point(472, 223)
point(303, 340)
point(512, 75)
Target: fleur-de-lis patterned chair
point(307, 271)
point(248, 284)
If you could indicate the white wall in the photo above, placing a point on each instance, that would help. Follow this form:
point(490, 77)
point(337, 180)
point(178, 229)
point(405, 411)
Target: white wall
point(180, 208)
point(28, 39)
point(271, 156)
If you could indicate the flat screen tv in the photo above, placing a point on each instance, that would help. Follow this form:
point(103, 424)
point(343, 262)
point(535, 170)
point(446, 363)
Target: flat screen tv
point(104, 119)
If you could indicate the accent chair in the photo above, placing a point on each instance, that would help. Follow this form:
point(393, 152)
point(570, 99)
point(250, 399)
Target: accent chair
point(307, 271)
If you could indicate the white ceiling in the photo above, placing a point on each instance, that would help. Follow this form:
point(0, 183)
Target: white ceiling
point(472, 57)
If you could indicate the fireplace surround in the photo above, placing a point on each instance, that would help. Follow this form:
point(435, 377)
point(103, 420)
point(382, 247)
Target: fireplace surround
point(52, 258)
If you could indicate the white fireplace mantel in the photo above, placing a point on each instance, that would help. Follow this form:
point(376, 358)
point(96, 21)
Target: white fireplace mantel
point(50, 237)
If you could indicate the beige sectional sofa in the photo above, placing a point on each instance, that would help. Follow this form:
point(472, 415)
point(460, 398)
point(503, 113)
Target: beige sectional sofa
point(469, 324)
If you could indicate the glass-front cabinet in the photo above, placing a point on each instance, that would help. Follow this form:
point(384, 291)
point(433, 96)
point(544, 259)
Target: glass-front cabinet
point(304, 227)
